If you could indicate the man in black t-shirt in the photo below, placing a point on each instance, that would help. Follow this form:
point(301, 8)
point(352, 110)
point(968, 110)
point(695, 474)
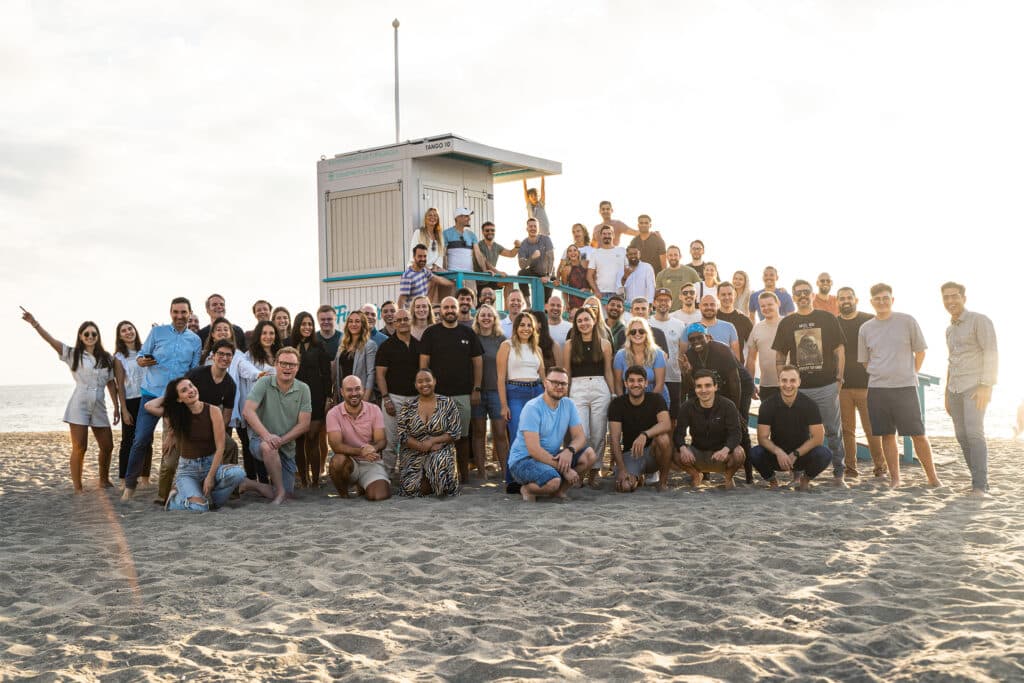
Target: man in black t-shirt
point(813, 342)
point(650, 244)
point(853, 394)
point(790, 434)
point(638, 421)
point(715, 432)
point(727, 312)
point(455, 355)
point(215, 387)
point(398, 360)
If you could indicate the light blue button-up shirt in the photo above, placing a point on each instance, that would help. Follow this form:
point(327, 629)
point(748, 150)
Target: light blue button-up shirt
point(175, 352)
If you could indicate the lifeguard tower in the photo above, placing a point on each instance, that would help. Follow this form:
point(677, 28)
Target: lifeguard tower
point(371, 201)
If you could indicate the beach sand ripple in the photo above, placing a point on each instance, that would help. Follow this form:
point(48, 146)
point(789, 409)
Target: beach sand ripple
point(864, 584)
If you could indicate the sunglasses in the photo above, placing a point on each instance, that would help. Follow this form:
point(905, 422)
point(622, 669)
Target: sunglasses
point(638, 332)
point(90, 335)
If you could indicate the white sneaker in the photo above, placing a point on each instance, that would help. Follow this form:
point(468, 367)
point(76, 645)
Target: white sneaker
point(652, 479)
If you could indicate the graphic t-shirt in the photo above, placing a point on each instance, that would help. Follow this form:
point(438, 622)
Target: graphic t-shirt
point(810, 342)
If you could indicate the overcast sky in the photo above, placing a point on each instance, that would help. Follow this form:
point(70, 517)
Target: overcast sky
point(153, 150)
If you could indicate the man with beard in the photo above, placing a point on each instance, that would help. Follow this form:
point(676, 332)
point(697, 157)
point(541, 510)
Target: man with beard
point(673, 276)
point(454, 354)
point(613, 311)
point(416, 278)
point(637, 277)
point(606, 266)
point(638, 423)
point(697, 257)
point(538, 458)
point(486, 252)
point(760, 354)
point(703, 353)
point(823, 301)
point(651, 245)
point(814, 342)
point(687, 312)
point(973, 362)
point(466, 305)
point(720, 330)
point(853, 394)
point(536, 258)
point(355, 430)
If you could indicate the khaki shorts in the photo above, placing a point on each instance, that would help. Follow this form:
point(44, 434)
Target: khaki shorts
point(365, 473)
point(465, 412)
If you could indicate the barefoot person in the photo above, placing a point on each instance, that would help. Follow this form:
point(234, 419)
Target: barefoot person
point(973, 363)
point(537, 460)
point(428, 428)
point(93, 370)
point(277, 412)
point(790, 434)
point(892, 347)
point(715, 432)
point(202, 480)
point(638, 422)
point(355, 431)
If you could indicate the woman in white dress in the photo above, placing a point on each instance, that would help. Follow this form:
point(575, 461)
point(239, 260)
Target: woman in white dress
point(430, 235)
point(93, 369)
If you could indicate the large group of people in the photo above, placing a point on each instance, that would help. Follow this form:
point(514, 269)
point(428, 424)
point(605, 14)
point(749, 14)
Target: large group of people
point(632, 365)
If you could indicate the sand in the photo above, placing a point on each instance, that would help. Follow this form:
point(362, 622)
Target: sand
point(864, 584)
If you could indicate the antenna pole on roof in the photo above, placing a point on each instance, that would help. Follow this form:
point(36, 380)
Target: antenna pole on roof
point(395, 25)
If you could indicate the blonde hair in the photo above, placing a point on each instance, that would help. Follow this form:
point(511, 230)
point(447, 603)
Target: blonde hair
point(495, 328)
point(348, 342)
point(715, 266)
point(649, 351)
point(430, 309)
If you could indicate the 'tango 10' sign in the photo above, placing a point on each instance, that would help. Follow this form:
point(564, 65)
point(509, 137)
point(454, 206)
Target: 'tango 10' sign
point(438, 146)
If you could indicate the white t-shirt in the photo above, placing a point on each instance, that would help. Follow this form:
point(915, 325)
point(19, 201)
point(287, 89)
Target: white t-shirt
point(761, 338)
point(673, 330)
point(559, 331)
point(609, 265)
point(687, 318)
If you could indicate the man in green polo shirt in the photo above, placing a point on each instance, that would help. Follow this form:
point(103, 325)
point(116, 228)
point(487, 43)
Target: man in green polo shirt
point(277, 411)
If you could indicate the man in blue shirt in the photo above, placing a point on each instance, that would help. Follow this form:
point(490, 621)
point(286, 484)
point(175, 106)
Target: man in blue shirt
point(169, 352)
point(458, 245)
point(537, 459)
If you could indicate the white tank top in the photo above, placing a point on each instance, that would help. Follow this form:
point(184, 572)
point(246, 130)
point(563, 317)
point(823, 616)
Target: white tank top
point(523, 367)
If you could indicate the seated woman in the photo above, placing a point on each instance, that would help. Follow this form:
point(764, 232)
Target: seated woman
point(427, 430)
point(202, 481)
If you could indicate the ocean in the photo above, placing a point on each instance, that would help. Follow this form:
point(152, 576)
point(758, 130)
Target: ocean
point(40, 407)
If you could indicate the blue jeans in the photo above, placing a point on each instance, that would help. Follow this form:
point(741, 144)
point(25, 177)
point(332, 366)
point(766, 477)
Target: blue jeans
point(969, 426)
point(812, 464)
point(189, 484)
point(145, 425)
point(517, 396)
point(827, 400)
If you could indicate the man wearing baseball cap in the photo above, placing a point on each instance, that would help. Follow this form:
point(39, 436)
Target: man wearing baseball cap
point(673, 330)
point(458, 244)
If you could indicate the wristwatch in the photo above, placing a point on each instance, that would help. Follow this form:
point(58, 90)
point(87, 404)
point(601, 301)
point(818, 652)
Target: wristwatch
point(478, 388)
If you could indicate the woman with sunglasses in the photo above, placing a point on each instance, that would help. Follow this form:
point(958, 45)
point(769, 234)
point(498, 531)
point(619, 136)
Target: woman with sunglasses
point(641, 350)
point(588, 358)
point(93, 370)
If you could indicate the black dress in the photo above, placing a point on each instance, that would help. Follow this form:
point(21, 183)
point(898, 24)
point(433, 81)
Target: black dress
point(315, 370)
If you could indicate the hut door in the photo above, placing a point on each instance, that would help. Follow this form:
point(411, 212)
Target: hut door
point(444, 200)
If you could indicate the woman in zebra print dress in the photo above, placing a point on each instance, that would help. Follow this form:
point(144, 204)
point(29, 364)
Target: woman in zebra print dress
point(427, 430)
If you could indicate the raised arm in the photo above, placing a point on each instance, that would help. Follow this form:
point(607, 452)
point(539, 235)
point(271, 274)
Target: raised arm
point(31, 320)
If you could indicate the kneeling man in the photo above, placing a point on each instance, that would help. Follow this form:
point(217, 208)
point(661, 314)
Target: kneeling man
point(355, 432)
point(537, 459)
point(639, 421)
point(715, 432)
point(790, 434)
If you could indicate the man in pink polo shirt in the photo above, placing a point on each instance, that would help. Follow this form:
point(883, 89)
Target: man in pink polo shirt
point(355, 432)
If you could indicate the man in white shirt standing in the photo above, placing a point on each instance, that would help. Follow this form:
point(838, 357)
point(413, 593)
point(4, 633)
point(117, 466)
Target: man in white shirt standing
point(557, 326)
point(607, 264)
point(637, 277)
point(673, 330)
